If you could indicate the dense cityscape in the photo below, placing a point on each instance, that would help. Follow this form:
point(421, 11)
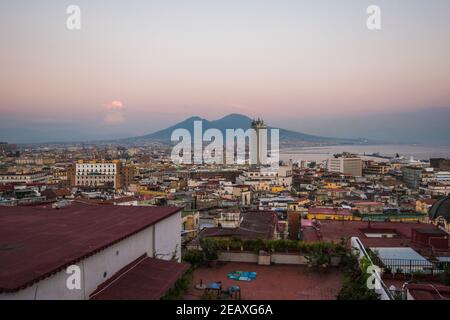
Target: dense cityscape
point(309, 228)
point(224, 158)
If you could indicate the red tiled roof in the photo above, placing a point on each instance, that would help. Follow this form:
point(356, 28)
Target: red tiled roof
point(143, 279)
point(37, 242)
point(429, 201)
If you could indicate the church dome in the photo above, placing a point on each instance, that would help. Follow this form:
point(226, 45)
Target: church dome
point(441, 208)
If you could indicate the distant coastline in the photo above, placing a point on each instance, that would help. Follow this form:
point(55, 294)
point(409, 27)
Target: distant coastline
point(376, 152)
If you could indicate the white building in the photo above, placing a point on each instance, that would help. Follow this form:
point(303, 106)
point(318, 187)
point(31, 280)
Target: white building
point(280, 177)
point(345, 165)
point(102, 248)
point(35, 177)
point(96, 173)
point(436, 176)
point(228, 220)
point(275, 203)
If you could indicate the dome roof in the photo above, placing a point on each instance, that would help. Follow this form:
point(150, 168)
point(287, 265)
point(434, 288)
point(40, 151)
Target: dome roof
point(441, 208)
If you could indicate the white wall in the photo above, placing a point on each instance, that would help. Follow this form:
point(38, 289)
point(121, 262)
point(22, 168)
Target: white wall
point(168, 237)
point(238, 256)
point(275, 258)
point(284, 258)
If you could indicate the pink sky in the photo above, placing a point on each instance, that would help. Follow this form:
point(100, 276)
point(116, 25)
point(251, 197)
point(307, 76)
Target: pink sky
point(279, 59)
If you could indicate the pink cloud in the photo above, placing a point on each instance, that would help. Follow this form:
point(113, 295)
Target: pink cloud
point(114, 105)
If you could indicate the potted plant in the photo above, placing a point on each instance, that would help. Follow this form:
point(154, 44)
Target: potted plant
point(319, 258)
point(388, 271)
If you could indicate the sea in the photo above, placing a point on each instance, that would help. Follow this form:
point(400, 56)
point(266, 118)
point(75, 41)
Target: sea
point(319, 154)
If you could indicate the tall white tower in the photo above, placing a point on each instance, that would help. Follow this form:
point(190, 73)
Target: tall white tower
point(261, 140)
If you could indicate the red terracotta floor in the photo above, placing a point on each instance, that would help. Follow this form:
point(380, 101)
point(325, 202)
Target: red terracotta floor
point(275, 282)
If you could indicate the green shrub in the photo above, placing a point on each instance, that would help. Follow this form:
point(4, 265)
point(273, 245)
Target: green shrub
point(195, 258)
point(255, 245)
point(180, 287)
point(355, 279)
point(235, 244)
point(222, 244)
point(319, 255)
point(210, 248)
point(280, 245)
point(355, 288)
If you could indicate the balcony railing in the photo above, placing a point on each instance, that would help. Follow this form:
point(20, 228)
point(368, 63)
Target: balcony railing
point(407, 266)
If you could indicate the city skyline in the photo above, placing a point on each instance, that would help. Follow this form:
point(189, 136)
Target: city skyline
point(225, 157)
point(136, 69)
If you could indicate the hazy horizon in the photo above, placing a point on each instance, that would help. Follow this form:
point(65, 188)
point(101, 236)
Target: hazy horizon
point(136, 67)
point(378, 129)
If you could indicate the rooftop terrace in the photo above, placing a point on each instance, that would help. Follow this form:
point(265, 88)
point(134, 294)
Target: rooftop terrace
point(274, 282)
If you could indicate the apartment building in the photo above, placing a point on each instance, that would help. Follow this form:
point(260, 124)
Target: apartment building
point(258, 178)
point(376, 168)
point(345, 165)
point(24, 178)
point(35, 161)
point(440, 164)
point(98, 173)
point(412, 176)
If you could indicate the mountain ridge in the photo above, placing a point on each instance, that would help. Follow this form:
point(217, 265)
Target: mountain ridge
point(239, 121)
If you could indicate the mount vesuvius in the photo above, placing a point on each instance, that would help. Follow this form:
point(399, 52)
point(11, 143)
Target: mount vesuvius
point(238, 121)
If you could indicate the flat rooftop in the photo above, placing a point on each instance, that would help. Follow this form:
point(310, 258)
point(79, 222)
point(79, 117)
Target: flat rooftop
point(255, 224)
point(335, 230)
point(274, 282)
point(37, 242)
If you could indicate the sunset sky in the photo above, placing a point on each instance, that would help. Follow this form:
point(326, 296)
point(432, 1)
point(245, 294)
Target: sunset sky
point(139, 66)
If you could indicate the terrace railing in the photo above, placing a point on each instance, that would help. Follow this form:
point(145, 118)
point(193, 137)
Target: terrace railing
point(406, 266)
point(383, 290)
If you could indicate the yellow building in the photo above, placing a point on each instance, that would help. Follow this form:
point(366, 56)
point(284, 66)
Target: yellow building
point(424, 205)
point(145, 190)
point(262, 186)
point(277, 189)
point(331, 214)
point(190, 224)
point(332, 185)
